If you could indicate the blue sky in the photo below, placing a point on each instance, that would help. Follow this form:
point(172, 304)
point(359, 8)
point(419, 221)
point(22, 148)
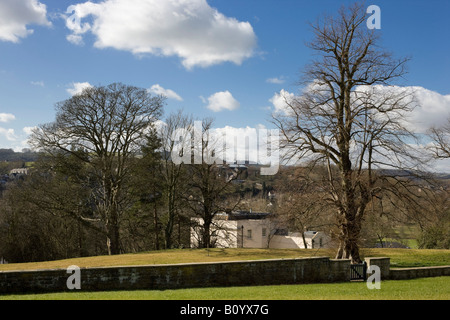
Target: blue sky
point(253, 50)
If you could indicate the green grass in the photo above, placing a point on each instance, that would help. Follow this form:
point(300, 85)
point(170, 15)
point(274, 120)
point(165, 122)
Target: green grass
point(426, 288)
point(405, 234)
point(409, 258)
point(163, 257)
point(416, 289)
point(400, 258)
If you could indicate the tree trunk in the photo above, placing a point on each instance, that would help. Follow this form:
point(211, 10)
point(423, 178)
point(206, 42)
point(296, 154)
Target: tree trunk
point(206, 236)
point(112, 233)
point(340, 251)
point(380, 238)
point(170, 221)
point(348, 240)
point(351, 251)
point(155, 221)
point(112, 241)
point(305, 244)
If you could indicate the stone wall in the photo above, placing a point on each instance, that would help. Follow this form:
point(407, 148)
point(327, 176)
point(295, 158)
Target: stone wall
point(383, 263)
point(411, 273)
point(192, 275)
point(159, 277)
point(388, 273)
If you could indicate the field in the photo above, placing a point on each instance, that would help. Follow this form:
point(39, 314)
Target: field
point(416, 289)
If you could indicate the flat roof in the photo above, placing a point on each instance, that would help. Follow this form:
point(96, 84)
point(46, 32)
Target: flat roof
point(243, 215)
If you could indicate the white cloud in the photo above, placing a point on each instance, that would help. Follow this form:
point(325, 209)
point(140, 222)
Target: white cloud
point(441, 165)
point(222, 100)
point(75, 39)
point(245, 144)
point(28, 130)
point(16, 15)
point(278, 80)
point(6, 117)
point(170, 94)
point(78, 87)
point(8, 134)
point(429, 108)
point(17, 141)
point(38, 83)
point(280, 101)
point(190, 29)
point(433, 109)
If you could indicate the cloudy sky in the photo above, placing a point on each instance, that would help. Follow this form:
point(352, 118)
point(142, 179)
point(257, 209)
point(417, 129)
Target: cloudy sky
point(226, 59)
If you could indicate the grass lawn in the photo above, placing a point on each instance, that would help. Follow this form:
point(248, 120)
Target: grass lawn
point(400, 258)
point(416, 289)
point(423, 289)
point(407, 235)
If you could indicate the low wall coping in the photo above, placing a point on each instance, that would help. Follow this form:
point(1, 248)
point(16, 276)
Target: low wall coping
point(339, 260)
point(175, 264)
point(421, 268)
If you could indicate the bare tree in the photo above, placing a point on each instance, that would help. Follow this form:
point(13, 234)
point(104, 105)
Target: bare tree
point(302, 205)
point(209, 190)
point(173, 174)
point(441, 139)
point(349, 118)
point(109, 124)
point(142, 219)
point(42, 211)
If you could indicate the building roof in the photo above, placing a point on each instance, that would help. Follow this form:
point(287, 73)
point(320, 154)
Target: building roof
point(311, 234)
point(243, 215)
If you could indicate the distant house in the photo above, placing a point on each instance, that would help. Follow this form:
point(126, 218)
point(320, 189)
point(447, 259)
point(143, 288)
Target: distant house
point(255, 230)
point(271, 195)
point(19, 171)
point(234, 171)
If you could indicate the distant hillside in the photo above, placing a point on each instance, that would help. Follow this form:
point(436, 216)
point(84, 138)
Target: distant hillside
point(415, 175)
point(9, 155)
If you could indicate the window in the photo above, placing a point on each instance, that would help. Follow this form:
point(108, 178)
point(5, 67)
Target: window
point(249, 233)
point(264, 232)
point(320, 243)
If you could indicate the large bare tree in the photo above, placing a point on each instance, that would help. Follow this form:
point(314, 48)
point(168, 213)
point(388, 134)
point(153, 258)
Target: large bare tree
point(349, 118)
point(108, 123)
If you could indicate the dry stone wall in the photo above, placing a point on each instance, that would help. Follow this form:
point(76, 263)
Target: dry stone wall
point(160, 277)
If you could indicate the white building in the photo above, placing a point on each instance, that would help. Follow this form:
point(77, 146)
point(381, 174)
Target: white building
point(255, 230)
point(19, 171)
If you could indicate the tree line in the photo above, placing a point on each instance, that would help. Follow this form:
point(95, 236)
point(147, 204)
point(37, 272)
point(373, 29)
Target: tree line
point(105, 183)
